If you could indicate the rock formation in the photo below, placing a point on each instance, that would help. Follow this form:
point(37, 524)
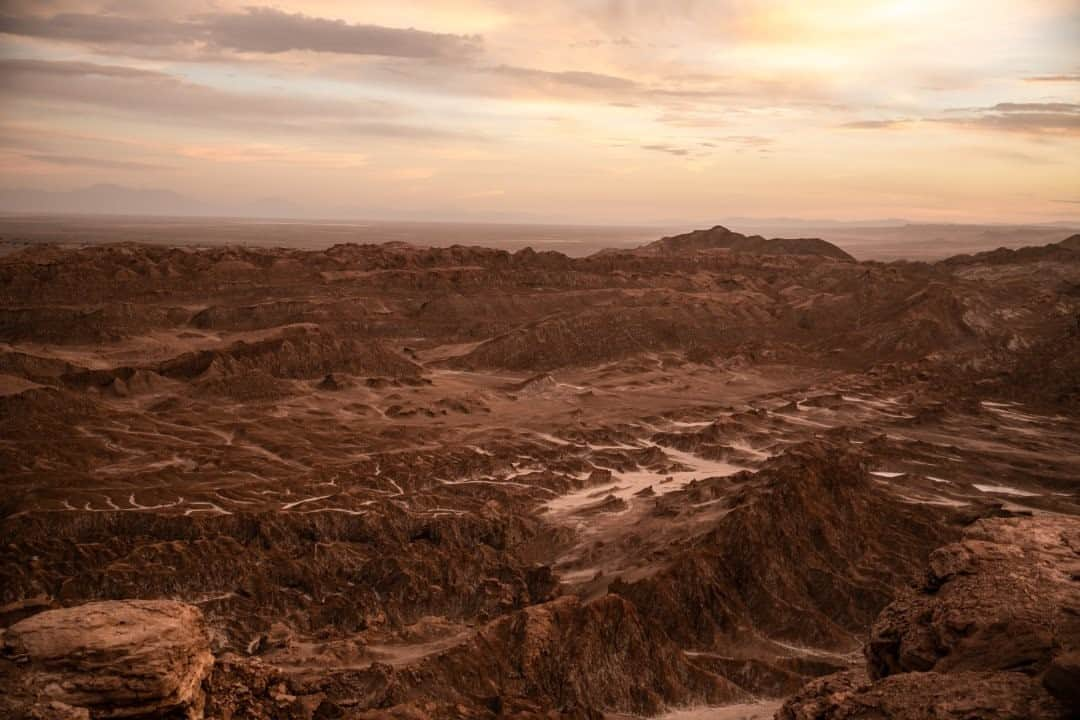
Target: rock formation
point(134, 658)
point(720, 238)
point(410, 483)
point(810, 552)
point(993, 632)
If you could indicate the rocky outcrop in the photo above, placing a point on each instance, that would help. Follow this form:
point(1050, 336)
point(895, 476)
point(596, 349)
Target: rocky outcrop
point(1048, 370)
point(253, 317)
point(251, 370)
point(33, 367)
point(922, 696)
point(720, 238)
point(293, 354)
point(567, 654)
point(993, 632)
point(385, 569)
point(248, 688)
point(1061, 251)
point(565, 659)
point(70, 325)
point(597, 335)
point(131, 658)
point(810, 553)
point(1005, 597)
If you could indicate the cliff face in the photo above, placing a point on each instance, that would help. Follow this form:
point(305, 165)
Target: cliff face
point(993, 632)
point(810, 552)
point(136, 658)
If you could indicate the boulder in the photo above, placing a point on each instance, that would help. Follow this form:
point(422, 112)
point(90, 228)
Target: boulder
point(122, 658)
point(1003, 598)
point(992, 634)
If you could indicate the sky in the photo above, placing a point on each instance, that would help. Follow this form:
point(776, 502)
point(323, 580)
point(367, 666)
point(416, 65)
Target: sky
point(591, 111)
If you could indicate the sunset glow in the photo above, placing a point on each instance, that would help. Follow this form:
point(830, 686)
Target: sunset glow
point(587, 111)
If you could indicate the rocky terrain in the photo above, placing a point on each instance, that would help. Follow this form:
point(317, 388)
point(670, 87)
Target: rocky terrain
point(717, 476)
point(993, 632)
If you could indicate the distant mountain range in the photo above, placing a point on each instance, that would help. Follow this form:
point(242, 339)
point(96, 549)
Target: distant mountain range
point(110, 199)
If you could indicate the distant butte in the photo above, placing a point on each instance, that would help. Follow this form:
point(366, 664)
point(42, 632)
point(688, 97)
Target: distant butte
point(719, 238)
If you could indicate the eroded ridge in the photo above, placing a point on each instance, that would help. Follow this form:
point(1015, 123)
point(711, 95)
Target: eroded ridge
point(403, 482)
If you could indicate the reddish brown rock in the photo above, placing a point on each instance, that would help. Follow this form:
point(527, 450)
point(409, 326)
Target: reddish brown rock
point(923, 696)
point(250, 689)
point(1003, 598)
point(719, 238)
point(810, 553)
point(154, 447)
point(571, 656)
point(113, 659)
point(1062, 679)
point(55, 710)
point(991, 635)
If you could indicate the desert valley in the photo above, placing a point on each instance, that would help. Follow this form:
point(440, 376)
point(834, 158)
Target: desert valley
point(576, 360)
point(714, 476)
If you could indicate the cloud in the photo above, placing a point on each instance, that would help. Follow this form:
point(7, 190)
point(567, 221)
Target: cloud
point(268, 30)
point(225, 92)
point(14, 67)
point(164, 96)
point(1054, 118)
point(90, 162)
point(256, 30)
point(875, 124)
point(1056, 107)
point(741, 142)
point(573, 78)
point(687, 100)
point(1050, 118)
point(1065, 78)
point(402, 130)
point(97, 29)
point(157, 93)
point(669, 149)
point(276, 154)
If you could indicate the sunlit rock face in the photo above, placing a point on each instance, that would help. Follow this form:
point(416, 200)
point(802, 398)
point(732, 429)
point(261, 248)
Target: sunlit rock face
point(135, 658)
point(993, 632)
